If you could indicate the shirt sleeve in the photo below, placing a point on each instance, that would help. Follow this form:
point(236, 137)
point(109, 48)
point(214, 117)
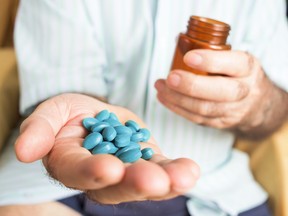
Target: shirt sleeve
point(268, 34)
point(59, 48)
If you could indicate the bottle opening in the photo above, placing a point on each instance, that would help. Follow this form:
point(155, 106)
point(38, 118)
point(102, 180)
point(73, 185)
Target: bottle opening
point(207, 30)
point(209, 23)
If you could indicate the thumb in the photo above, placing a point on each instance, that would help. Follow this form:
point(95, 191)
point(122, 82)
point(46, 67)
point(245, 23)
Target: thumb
point(37, 133)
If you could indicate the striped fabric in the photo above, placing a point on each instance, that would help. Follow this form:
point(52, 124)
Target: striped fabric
point(119, 48)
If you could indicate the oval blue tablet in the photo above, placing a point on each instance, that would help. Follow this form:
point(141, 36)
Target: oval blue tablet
point(89, 122)
point(113, 122)
point(109, 133)
point(104, 148)
point(137, 137)
point(147, 153)
point(103, 115)
point(121, 140)
point(92, 140)
point(132, 124)
point(132, 129)
point(113, 116)
point(146, 133)
point(98, 127)
point(130, 156)
point(132, 145)
point(121, 129)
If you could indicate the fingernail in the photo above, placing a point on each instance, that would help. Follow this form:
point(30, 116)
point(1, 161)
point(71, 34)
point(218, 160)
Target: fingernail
point(174, 79)
point(192, 58)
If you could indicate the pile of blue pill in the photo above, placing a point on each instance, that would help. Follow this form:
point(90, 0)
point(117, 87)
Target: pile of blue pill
point(107, 135)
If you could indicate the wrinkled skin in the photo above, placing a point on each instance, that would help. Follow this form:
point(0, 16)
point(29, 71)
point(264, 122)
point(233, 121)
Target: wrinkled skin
point(237, 96)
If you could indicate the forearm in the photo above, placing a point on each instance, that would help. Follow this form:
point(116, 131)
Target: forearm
point(269, 117)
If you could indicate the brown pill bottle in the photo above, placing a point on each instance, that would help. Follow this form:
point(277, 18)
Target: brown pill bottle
point(202, 33)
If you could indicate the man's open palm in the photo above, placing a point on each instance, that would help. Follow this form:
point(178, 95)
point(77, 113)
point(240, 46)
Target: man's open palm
point(54, 133)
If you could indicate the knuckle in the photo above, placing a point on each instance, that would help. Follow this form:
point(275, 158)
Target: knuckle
point(252, 62)
point(192, 86)
point(204, 109)
point(198, 120)
point(224, 123)
point(219, 125)
point(209, 109)
point(181, 101)
point(232, 120)
point(241, 90)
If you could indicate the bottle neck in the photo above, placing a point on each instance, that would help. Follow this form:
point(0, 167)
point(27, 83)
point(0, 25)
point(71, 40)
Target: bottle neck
point(208, 30)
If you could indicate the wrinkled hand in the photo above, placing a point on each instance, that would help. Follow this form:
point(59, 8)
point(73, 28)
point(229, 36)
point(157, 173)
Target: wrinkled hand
point(55, 133)
point(237, 95)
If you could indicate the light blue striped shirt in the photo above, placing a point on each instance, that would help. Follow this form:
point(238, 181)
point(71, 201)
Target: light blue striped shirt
point(119, 48)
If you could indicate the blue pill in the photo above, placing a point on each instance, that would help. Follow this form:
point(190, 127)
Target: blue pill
point(132, 145)
point(137, 137)
point(113, 116)
point(146, 133)
point(103, 115)
point(147, 153)
point(109, 133)
point(132, 124)
point(122, 140)
point(105, 148)
point(92, 140)
point(121, 129)
point(130, 156)
point(132, 129)
point(113, 122)
point(98, 127)
point(89, 122)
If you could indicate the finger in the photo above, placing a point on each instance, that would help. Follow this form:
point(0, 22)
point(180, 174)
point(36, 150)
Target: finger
point(212, 88)
point(37, 133)
point(221, 122)
point(182, 173)
point(194, 105)
point(75, 167)
point(142, 179)
point(230, 63)
point(198, 119)
point(146, 180)
point(72, 131)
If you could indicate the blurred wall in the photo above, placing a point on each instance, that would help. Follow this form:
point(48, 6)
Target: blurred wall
point(8, 11)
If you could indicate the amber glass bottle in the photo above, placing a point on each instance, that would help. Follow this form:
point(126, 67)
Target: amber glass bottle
point(202, 33)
